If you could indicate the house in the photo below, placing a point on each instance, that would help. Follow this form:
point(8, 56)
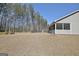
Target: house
point(68, 24)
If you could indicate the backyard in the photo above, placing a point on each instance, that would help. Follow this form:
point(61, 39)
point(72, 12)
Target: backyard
point(39, 44)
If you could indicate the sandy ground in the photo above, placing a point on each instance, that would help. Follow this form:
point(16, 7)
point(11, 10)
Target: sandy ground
point(39, 44)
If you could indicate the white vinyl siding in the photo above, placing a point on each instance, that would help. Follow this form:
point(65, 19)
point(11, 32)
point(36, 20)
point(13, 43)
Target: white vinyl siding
point(73, 20)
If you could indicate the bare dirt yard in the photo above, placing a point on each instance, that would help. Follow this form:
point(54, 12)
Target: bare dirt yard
point(39, 44)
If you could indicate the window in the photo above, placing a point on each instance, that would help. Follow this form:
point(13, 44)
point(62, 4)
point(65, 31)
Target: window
point(59, 26)
point(63, 26)
point(66, 26)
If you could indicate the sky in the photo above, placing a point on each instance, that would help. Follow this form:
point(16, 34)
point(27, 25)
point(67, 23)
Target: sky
point(53, 11)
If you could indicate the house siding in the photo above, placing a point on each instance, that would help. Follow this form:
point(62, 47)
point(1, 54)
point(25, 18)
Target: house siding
point(74, 25)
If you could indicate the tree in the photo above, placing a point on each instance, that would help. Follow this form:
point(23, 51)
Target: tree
point(20, 18)
point(2, 16)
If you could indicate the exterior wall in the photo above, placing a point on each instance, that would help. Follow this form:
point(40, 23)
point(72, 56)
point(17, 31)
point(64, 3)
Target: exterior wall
point(74, 25)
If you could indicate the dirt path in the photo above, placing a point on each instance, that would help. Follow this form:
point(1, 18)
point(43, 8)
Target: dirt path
point(39, 44)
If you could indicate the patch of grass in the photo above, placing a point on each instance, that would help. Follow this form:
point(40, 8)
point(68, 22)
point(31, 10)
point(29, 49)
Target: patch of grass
point(2, 33)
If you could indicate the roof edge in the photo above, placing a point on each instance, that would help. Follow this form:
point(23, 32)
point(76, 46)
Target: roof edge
point(63, 17)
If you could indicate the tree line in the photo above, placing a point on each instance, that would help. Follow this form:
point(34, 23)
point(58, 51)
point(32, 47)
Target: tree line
point(21, 17)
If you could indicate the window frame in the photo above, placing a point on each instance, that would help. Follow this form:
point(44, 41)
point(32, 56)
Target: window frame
point(65, 26)
point(62, 27)
point(57, 26)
